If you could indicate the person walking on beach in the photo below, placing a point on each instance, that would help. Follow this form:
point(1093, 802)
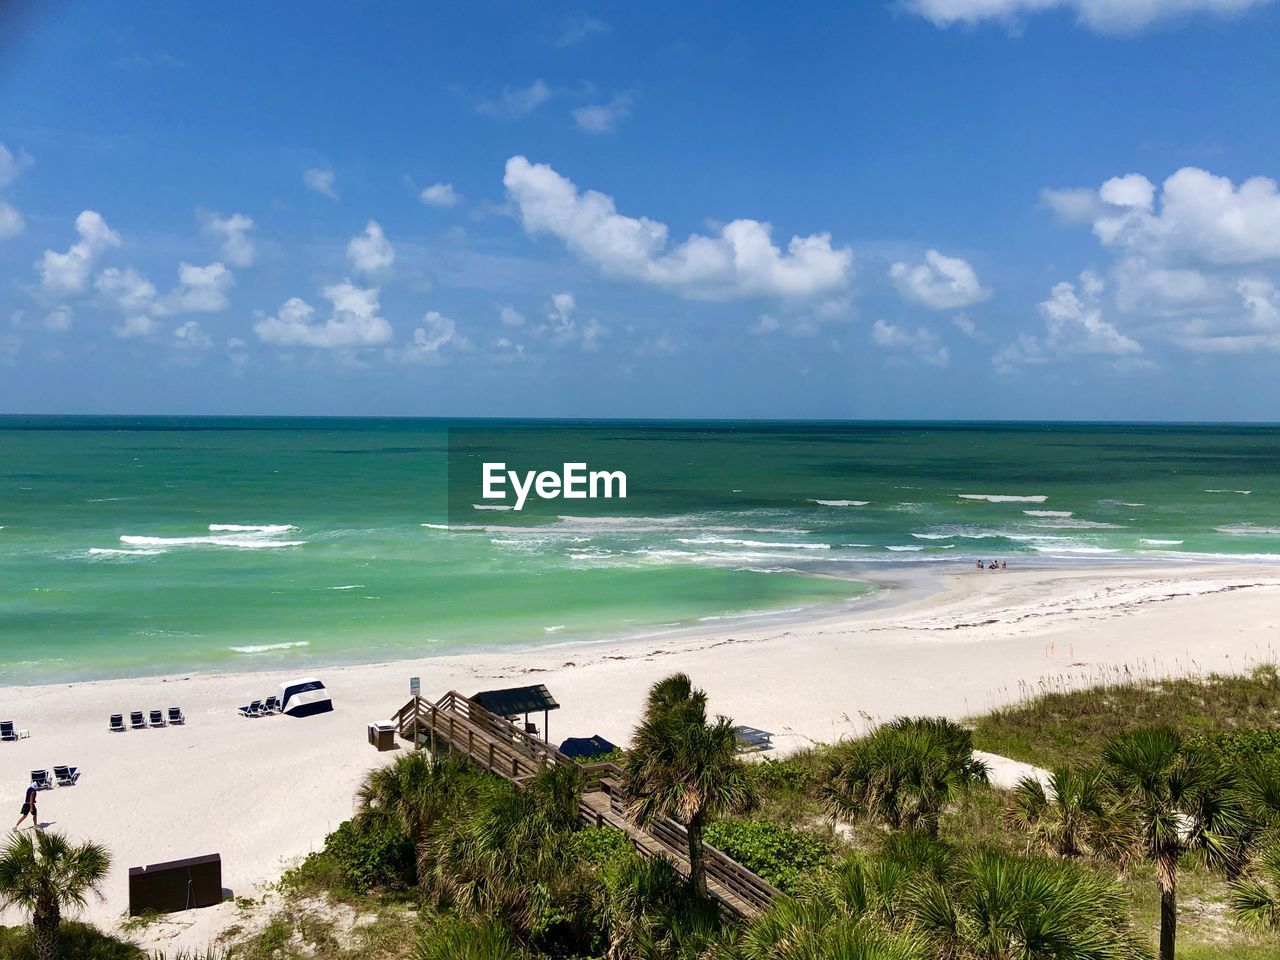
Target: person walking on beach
point(29, 808)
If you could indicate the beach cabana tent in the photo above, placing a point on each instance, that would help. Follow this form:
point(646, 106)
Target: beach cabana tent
point(302, 698)
point(514, 701)
point(587, 748)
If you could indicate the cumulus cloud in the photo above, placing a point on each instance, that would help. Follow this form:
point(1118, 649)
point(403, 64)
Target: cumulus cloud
point(321, 181)
point(741, 261)
point(191, 336)
point(199, 290)
point(1194, 216)
point(440, 195)
point(602, 117)
point(511, 316)
point(68, 273)
point(354, 321)
point(516, 102)
point(1103, 16)
point(371, 251)
point(140, 325)
point(922, 344)
point(433, 340)
point(1073, 324)
point(58, 319)
point(127, 290)
point(232, 235)
point(1183, 250)
point(11, 167)
point(941, 283)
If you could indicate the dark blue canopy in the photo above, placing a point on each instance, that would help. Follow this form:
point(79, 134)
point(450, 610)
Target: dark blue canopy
point(585, 748)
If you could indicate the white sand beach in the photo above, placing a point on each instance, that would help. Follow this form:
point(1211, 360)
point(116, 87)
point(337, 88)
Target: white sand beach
point(264, 792)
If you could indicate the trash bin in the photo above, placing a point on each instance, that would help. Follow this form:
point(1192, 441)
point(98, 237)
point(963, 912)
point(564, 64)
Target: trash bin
point(382, 734)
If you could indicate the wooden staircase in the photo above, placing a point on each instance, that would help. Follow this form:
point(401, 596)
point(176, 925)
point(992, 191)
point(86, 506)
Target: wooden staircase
point(504, 748)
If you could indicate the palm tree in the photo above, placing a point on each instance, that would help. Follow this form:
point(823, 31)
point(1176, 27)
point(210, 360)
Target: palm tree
point(415, 793)
point(903, 774)
point(1182, 804)
point(683, 766)
point(1078, 813)
point(1255, 898)
point(456, 939)
point(999, 907)
point(651, 912)
point(44, 874)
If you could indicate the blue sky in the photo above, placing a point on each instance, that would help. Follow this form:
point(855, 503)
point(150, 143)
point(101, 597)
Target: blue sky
point(931, 208)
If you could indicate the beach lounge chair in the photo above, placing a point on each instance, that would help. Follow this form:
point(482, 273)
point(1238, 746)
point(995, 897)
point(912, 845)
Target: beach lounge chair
point(116, 723)
point(271, 705)
point(252, 710)
point(157, 718)
point(137, 720)
point(750, 739)
point(7, 731)
point(66, 776)
point(41, 779)
point(176, 717)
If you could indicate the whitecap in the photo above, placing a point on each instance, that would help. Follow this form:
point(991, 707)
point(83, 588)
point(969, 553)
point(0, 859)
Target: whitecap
point(237, 542)
point(1047, 513)
point(1243, 493)
point(905, 549)
point(113, 552)
point(491, 506)
point(729, 542)
point(347, 586)
point(1160, 543)
point(840, 503)
point(267, 529)
point(1081, 550)
point(556, 628)
point(1002, 498)
point(455, 526)
point(267, 647)
point(1248, 530)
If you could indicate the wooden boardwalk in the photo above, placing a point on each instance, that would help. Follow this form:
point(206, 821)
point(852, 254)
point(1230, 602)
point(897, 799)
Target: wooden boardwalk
point(504, 748)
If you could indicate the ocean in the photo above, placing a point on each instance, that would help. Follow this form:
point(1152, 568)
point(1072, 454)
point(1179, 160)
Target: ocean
point(132, 546)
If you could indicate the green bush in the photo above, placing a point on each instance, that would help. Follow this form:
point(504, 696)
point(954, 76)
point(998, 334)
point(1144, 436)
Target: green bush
point(601, 847)
point(1240, 747)
point(778, 854)
point(79, 940)
point(792, 775)
point(356, 859)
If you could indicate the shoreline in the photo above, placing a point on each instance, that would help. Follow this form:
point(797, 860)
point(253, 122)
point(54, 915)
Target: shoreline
point(265, 792)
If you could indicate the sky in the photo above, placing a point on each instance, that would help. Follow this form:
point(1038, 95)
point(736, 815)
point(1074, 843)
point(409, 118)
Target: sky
point(968, 209)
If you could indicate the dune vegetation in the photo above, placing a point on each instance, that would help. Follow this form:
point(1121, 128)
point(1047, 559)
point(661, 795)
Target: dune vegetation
point(1156, 833)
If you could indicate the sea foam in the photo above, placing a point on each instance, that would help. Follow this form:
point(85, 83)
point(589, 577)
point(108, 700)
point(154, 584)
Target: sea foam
point(840, 503)
point(268, 647)
point(1002, 498)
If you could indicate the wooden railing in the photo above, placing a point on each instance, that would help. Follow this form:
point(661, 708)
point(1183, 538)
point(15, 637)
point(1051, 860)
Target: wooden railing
point(506, 749)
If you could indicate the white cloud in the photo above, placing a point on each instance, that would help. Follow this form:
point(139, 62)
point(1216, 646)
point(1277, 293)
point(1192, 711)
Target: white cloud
point(440, 195)
point(133, 327)
point(941, 283)
point(1104, 16)
point(1073, 324)
point(199, 290)
point(58, 319)
point(11, 222)
point(127, 290)
point(511, 316)
point(321, 181)
point(516, 101)
point(371, 251)
point(232, 235)
point(191, 336)
point(66, 273)
point(12, 165)
point(921, 343)
point(354, 321)
point(964, 323)
point(431, 341)
point(740, 262)
point(1198, 216)
point(577, 29)
point(602, 117)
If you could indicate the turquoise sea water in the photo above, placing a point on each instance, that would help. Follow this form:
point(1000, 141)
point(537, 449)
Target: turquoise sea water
point(140, 546)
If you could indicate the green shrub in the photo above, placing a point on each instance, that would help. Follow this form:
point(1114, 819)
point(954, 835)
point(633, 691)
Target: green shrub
point(792, 775)
point(778, 854)
point(356, 859)
point(1240, 747)
point(601, 847)
point(79, 940)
